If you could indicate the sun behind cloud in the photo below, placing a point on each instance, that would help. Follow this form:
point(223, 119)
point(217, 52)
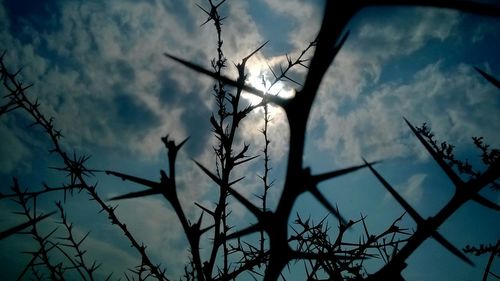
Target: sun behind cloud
point(260, 77)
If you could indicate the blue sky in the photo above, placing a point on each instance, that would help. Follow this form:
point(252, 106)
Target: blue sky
point(98, 68)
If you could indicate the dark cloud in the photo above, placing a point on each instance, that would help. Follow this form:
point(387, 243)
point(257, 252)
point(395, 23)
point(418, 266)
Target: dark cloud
point(40, 15)
point(132, 116)
point(195, 114)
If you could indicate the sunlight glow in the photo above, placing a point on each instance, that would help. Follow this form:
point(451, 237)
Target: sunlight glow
point(260, 77)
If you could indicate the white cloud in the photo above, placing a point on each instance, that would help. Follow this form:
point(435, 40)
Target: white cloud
point(115, 49)
point(379, 40)
point(304, 16)
point(240, 33)
point(102, 52)
point(362, 116)
point(407, 31)
point(105, 51)
point(413, 188)
point(456, 103)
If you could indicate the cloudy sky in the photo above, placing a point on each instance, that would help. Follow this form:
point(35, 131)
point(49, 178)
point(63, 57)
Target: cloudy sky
point(98, 68)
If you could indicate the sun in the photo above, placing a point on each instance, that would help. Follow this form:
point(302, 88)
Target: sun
point(260, 77)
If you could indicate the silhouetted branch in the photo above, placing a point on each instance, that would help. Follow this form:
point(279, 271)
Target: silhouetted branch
point(488, 77)
point(74, 167)
point(8, 232)
point(56, 270)
point(273, 99)
point(323, 255)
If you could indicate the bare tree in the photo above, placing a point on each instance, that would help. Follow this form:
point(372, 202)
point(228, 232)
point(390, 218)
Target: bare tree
point(324, 256)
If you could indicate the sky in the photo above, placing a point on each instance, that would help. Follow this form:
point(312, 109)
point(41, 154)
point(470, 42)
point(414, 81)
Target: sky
point(98, 68)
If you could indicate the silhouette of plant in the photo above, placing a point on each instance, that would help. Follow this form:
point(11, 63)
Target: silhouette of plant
point(326, 254)
point(76, 170)
point(490, 158)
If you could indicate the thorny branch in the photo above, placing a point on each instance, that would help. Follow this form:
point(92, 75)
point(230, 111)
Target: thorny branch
point(75, 166)
point(336, 259)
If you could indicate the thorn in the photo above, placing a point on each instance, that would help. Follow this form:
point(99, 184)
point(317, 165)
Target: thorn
point(326, 176)
point(182, 143)
point(236, 181)
point(138, 180)
point(210, 174)
point(441, 240)
point(485, 202)
point(274, 99)
point(396, 195)
point(205, 209)
point(8, 232)
point(248, 230)
point(321, 198)
point(253, 53)
point(137, 194)
point(488, 77)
